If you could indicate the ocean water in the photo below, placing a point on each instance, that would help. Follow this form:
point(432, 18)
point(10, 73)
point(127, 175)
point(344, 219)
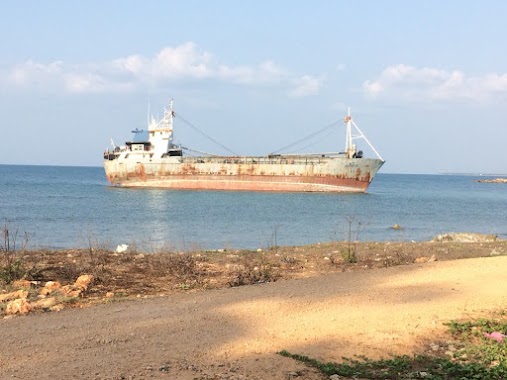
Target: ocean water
point(73, 207)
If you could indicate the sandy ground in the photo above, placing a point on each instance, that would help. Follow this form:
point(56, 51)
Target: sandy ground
point(234, 333)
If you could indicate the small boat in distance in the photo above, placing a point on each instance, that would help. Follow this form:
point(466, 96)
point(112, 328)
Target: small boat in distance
point(152, 160)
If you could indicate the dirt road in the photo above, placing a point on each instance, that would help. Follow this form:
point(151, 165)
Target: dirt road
point(235, 333)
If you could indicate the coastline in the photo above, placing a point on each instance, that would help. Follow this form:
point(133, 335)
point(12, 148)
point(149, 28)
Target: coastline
point(127, 273)
point(393, 300)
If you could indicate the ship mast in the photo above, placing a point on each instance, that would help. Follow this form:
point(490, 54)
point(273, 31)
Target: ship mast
point(350, 148)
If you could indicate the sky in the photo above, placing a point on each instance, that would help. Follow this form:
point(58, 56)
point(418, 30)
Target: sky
point(426, 81)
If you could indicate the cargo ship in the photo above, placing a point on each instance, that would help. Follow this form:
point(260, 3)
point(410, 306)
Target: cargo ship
point(151, 159)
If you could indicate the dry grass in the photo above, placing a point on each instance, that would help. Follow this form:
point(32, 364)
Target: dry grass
point(167, 272)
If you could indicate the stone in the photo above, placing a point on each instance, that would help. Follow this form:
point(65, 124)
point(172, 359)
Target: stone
point(45, 303)
point(50, 287)
point(109, 294)
point(422, 259)
point(20, 306)
point(70, 291)
point(495, 180)
point(83, 281)
point(57, 307)
point(434, 347)
point(13, 295)
point(464, 237)
point(432, 259)
point(335, 377)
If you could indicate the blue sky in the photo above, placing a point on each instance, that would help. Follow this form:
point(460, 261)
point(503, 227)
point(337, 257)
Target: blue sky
point(426, 80)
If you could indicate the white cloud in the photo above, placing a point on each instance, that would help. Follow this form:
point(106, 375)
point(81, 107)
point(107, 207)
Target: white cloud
point(265, 73)
point(183, 62)
point(306, 85)
point(410, 83)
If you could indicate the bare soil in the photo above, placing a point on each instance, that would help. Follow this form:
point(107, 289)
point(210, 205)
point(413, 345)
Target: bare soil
point(224, 315)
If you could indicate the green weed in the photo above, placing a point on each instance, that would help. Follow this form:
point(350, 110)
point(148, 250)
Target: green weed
point(479, 358)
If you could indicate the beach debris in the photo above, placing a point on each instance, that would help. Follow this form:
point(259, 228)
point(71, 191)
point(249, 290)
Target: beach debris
point(496, 335)
point(122, 248)
point(396, 227)
point(465, 237)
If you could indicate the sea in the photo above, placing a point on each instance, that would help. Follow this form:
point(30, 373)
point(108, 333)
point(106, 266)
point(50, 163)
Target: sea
point(57, 207)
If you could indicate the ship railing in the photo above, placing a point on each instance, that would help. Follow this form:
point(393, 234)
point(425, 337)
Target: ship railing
point(273, 160)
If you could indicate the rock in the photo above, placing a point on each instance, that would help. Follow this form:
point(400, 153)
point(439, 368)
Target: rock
point(434, 347)
point(13, 295)
point(396, 227)
point(463, 237)
point(496, 180)
point(432, 258)
point(57, 307)
point(20, 306)
point(50, 287)
point(335, 377)
point(70, 291)
point(45, 303)
point(422, 259)
point(83, 281)
point(109, 294)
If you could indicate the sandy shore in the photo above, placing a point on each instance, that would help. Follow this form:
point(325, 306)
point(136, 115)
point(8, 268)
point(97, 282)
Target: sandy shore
point(234, 333)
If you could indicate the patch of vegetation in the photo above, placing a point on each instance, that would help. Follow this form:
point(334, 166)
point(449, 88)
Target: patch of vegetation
point(405, 367)
point(480, 357)
point(481, 347)
point(11, 267)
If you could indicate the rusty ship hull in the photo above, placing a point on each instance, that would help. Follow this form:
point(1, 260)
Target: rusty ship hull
point(291, 174)
point(151, 159)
